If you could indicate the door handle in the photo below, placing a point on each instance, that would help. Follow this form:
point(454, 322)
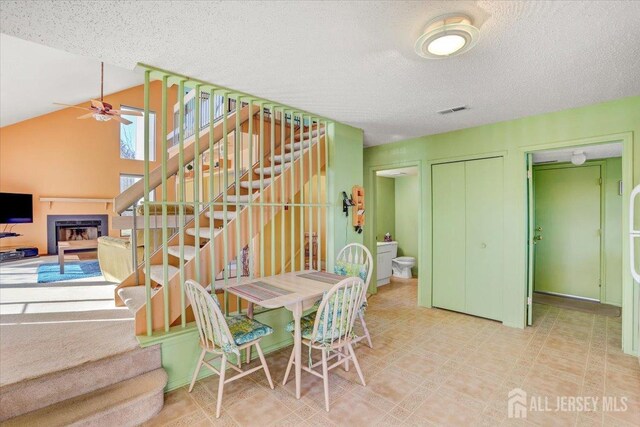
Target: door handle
point(536, 239)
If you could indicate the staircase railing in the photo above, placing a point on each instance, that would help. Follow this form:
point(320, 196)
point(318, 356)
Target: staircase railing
point(285, 151)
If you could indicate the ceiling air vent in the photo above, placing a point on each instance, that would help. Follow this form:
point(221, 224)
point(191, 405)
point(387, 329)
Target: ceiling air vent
point(453, 110)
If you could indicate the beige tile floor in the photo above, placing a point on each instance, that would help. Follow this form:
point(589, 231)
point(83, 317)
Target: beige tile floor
point(435, 367)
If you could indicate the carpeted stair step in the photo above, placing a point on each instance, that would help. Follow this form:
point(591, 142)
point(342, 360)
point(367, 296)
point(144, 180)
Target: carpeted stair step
point(157, 273)
point(189, 252)
point(242, 198)
point(297, 145)
point(277, 169)
point(285, 158)
point(219, 215)
point(49, 389)
point(134, 297)
point(256, 183)
point(204, 232)
point(126, 403)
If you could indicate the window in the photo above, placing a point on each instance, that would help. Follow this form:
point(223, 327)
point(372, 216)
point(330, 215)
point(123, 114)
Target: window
point(132, 136)
point(127, 181)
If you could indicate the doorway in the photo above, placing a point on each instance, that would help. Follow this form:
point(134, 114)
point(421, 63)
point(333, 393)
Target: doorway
point(576, 229)
point(397, 216)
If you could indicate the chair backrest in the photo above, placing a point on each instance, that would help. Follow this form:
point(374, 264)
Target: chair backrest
point(338, 311)
point(212, 325)
point(355, 254)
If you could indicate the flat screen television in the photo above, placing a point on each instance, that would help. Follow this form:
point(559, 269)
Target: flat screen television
point(16, 208)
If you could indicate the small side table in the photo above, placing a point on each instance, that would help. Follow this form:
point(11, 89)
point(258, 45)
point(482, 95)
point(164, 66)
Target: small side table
point(73, 246)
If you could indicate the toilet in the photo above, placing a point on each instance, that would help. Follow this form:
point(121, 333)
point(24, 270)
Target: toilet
point(401, 266)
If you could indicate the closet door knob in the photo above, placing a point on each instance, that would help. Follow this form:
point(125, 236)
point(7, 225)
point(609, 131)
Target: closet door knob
point(483, 245)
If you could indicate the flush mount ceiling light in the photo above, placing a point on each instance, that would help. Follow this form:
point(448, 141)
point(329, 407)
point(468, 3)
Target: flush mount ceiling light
point(447, 35)
point(578, 158)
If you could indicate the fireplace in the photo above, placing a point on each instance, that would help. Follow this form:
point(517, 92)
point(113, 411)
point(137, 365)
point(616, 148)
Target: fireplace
point(74, 227)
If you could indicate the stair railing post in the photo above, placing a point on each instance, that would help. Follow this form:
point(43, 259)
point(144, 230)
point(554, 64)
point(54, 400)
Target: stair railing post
point(261, 158)
point(181, 198)
point(318, 195)
point(196, 182)
point(272, 150)
point(310, 195)
point(147, 234)
point(327, 201)
point(212, 246)
point(250, 173)
point(237, 164)
point(292, 193)
point(225, 198)
point(165, 231)
point(283, 201)
point(302, 193)
point(134, 244)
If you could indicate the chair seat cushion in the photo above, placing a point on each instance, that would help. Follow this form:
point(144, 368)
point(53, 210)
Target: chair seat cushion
point(307, 322)
point(306, 325)
point(244, 329)
point(345, 268)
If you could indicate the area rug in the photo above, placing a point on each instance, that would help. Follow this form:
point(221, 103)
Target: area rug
point(577, 304)
point(50, 272)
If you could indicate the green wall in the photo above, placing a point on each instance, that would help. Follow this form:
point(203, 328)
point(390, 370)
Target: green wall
point(407, 216)
point(613, 232)
point(345, 171)
point(385, 207)
point(615, 120)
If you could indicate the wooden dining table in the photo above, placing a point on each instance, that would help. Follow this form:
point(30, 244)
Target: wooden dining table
point(296, 291)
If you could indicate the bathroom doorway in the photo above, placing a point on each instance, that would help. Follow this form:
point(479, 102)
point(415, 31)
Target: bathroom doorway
point(397, 216)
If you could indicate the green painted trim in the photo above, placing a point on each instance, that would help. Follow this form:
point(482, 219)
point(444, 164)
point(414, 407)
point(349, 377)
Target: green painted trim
point(629, 291)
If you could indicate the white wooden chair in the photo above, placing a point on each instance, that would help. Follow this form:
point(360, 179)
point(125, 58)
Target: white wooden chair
point(330, 330)
point(355, 254)
point(221, 336)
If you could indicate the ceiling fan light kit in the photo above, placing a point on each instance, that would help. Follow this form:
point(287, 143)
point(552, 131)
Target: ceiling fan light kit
point(447, 35)
point(103, 111)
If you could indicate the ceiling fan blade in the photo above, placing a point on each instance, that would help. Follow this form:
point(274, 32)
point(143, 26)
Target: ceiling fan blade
point(72, 106)
point(127, 113)
point(97, 104)
point(86, 116)
point(120, 119)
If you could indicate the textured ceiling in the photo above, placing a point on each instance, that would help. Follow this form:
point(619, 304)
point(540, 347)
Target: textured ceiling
point(353, 61)
point(33, 77)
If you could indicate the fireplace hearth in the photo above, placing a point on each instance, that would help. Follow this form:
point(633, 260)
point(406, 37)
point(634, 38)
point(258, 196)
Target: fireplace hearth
point(74, 227)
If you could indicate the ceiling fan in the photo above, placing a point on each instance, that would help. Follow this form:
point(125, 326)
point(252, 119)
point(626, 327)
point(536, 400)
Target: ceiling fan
point(103, 111)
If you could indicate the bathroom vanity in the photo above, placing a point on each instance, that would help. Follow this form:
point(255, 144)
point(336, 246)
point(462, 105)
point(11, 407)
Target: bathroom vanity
point(387, 251)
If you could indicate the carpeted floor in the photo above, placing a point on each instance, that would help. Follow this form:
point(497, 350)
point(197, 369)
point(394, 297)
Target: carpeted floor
point(577, 304)
point(49, 327)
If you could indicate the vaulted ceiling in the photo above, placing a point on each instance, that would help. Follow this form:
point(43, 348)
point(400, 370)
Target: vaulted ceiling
point(353, 61)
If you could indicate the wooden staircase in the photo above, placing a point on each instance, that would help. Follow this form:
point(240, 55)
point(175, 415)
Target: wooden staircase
point(293, 165)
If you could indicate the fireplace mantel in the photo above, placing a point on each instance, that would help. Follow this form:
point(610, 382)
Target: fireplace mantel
point(51, 200)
